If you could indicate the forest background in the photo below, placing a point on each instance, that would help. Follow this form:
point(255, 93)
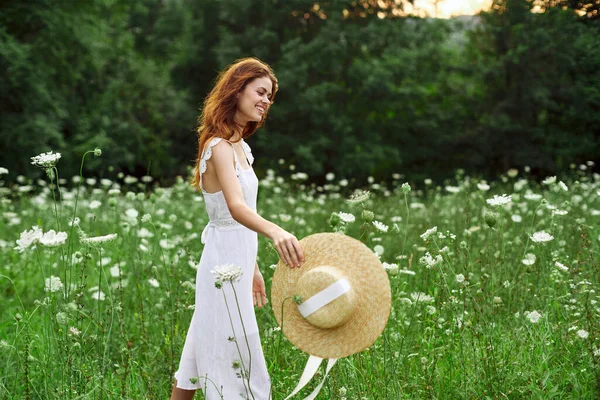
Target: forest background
point(365, 89)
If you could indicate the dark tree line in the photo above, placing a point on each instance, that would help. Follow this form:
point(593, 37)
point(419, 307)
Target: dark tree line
point(364, 89)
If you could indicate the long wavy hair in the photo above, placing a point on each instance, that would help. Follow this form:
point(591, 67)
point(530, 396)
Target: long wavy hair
point(216, 119)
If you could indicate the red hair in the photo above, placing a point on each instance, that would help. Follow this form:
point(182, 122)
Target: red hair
point(216, 119)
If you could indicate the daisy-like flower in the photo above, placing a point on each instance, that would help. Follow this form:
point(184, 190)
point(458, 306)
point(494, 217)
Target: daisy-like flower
point(29, 238)
point(534, 317)
point(359, 198)
point(483, 186)
point(98, 295)
point(346, 217)
point(428, 233)
point(460, 278)
point(98, 240)
point(582, 333)
point(563, 186)
point(532, 196)
point(45, 160)
point(429, 261)
point(53, 284)
point(529, 259)
point(53, 239)
point(227, 272)
point(499, 200)
point(541, 237)
point(562, 267)
point(406, 272)
point(391, 268)
point(380, 226)
point(549, 180)
point(421, 297)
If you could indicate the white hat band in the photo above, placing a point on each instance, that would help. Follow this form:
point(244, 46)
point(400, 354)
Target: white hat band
point(324, 297)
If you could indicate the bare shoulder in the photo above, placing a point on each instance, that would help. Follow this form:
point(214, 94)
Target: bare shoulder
point(222, 153)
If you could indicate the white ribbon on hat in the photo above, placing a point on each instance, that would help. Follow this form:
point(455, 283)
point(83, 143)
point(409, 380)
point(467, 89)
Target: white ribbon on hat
point(324, 297)
point(308, 307)
point(312, 365)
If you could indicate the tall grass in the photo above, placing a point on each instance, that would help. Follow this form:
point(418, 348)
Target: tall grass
point(469, 319)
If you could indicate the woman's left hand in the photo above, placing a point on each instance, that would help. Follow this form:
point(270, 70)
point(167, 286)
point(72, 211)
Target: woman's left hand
point(259, 292)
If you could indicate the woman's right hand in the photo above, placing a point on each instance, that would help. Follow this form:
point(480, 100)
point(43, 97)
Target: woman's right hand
point(288, 248)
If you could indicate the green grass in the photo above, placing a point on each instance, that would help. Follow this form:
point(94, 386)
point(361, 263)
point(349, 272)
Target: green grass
point(472, 339)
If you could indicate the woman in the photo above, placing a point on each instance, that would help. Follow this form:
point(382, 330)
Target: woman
point(222, 354)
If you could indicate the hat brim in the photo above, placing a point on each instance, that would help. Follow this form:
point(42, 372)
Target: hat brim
point(368, 279)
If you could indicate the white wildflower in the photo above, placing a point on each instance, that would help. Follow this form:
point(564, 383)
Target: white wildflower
point(53, 284)
point(46, 160)
point(562, 267)
point(460, 278)
point(94, 204)
point(582, 333)
point(406, 272)
point(153, 282)
point(3, 171)
point(534, 317)
point(346, 217)
point(227, 272)
point(53, 239)
point(98, 295)
point(499, 200)
point(429, 261)
point(391, 268)
point(421, 297)
point(542, 236)
point(516, 218)
point(428, 233)
point(29, 238)
point(452, 189)
point(549, 180)
point(532, 196)
point(562, 185)
point(97, 240)
point(529, 259)
point(360, 197)
point(483, 186)
point(380, 226)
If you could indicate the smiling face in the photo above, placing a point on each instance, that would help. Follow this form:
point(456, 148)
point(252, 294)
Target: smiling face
point(254, 100)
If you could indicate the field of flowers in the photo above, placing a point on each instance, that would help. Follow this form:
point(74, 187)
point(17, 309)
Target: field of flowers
point(495, 286)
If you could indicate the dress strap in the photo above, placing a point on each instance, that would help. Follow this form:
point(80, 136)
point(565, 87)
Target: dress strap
point(207, 153)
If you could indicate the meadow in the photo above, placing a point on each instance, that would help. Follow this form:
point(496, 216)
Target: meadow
point(495, 285)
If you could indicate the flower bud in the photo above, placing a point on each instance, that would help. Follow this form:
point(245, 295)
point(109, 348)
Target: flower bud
point(491, 218)
point(368, 216)
point(334, 219)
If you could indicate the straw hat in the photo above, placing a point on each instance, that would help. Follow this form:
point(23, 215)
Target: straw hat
point(336, 267)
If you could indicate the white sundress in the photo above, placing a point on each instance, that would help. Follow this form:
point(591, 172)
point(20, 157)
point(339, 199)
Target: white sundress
point(209, 354)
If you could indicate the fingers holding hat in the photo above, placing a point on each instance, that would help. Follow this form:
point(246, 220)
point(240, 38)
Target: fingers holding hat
point(289, 248)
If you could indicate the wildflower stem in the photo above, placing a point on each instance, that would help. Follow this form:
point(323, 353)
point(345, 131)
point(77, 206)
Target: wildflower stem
point(235, 336)
point(245, 337)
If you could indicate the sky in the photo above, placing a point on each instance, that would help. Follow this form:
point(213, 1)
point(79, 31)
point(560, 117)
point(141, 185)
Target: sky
point(447, 8)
